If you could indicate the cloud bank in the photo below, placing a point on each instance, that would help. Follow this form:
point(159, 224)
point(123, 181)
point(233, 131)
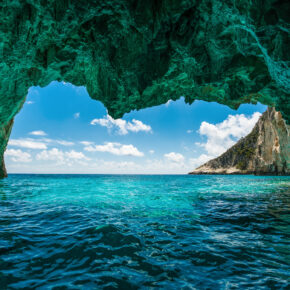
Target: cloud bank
point(122, 127)
point(18, 155)
point(174, 157)
point(222, 136)
point(60, 156)
point(116, 149)
point(38, 133)
point(27, 143)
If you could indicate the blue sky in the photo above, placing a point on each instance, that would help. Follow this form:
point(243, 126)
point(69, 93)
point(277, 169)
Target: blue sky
point(60, 129)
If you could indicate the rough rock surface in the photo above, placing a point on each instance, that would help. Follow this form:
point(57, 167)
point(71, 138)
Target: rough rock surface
point(132, 54)
point(266, 150)
point(4, 136)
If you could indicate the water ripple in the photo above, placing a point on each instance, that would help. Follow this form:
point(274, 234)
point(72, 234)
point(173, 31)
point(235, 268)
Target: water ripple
point(128, 232)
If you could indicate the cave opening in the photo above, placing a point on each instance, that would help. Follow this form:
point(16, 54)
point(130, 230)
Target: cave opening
point(60, 129)
point(109, 203)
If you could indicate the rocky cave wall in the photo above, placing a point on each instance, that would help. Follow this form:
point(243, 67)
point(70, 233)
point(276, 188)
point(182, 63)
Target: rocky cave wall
point(132, 54)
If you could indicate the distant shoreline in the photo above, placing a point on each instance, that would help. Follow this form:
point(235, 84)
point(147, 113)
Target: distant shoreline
point(153, 174)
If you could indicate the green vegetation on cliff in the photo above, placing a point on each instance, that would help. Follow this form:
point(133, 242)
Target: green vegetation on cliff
point(245, 149)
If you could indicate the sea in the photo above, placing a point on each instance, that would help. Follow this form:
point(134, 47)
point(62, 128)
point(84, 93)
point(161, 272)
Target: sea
point(144, 232)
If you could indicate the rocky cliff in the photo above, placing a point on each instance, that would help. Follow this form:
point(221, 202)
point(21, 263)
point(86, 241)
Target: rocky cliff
point(132, 54)
point(4, 136)
point(265, 151)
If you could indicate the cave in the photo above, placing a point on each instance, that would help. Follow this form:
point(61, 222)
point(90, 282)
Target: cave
point(133, 54)
point(215, 228)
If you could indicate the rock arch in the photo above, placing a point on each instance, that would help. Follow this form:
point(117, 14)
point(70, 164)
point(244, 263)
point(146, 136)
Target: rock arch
point(132, 54)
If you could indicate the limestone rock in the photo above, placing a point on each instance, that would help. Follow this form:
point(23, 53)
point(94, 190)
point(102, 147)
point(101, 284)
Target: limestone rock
point(265, 151)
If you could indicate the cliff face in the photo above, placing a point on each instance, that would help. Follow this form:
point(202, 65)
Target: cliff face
point(4, 136)
point(132, 54)
point(266, 150)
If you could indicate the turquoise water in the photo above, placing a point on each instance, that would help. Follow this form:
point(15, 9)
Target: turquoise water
point(128, 232)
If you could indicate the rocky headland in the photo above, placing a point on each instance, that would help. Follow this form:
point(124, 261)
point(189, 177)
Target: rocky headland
point(265, 151)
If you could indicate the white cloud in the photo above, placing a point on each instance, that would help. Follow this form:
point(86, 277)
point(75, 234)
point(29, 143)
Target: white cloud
point(77, 115)
point(41, 143)
point(223, 135)
point(123, 127)
point(196, 162)
point(61, 157)
point(151, 151)
point(29, 102)
point(55, 141)
point(86, 143)
point(116, 149)
point(63, 142)
point(38, 133)
point(189, 131)
point(27, 143)
point(18, 155)
point(53, 154)
point(76, 155)
point(174, 157)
